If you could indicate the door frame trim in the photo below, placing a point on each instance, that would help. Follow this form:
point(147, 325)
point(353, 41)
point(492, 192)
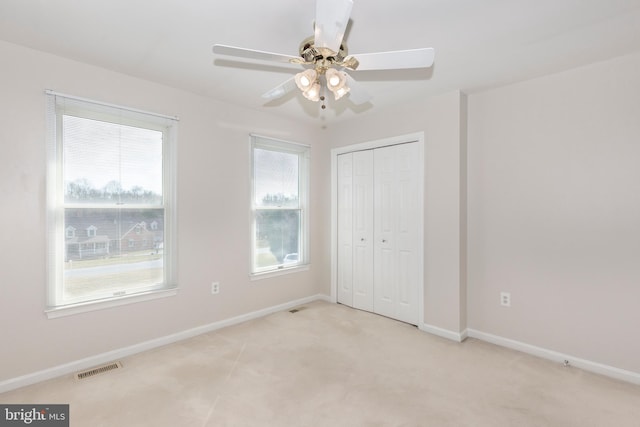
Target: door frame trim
point(417, 138)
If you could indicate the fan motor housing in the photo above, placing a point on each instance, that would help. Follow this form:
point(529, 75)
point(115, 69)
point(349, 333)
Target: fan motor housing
point(311, 54)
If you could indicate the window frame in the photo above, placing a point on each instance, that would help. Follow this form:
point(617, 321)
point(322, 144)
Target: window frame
point(59, 105)
point(303, 151)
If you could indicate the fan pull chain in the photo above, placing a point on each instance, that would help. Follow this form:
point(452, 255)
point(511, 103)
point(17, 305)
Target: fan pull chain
point(322, 97)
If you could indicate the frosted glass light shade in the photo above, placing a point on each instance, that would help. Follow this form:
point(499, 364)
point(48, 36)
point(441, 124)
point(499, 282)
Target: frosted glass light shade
point(335, 79)
point(337, 82)
point(313, 93)
point(339, 93)
point(306, 79)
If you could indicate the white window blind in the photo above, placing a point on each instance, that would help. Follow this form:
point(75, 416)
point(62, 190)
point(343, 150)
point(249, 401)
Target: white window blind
point(111, 175)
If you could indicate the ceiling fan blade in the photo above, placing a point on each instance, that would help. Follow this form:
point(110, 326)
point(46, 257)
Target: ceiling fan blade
point(281, 90)
point(240, 52)
point(396, 60)
point(332, 17)
point(357, 94)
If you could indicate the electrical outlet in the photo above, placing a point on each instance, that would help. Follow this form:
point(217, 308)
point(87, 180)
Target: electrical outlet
point(215, 288)
point(505, 299)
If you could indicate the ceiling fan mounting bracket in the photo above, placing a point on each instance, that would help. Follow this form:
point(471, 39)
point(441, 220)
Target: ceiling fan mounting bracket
point(321, 55)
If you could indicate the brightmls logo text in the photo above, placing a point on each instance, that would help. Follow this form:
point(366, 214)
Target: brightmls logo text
point(34, 415)
point(28, 416)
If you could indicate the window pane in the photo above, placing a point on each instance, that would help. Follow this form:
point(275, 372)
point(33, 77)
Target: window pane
point(279, 197)
point(275, 178)
point(111, 163)
point(111, 251)
point(277, 240)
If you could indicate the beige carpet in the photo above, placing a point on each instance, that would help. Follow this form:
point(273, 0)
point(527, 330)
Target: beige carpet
point(329, 365)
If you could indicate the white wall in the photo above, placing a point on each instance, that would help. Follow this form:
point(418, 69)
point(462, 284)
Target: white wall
point(441, 119)
point(213, 215)
point(554, 212)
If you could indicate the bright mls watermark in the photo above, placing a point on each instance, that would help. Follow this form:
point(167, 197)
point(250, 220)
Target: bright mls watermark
point(34, 415)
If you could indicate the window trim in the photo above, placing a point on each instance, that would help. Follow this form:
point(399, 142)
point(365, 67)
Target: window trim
point(304, 153)
point(55, 305)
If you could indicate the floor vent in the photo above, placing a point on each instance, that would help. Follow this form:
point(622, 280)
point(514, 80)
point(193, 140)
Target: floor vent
point(295, 310)
point(98, 370)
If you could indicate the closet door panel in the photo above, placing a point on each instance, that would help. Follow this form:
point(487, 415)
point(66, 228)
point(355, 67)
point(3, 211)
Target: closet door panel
point(406, 235)
point(395, 230)
point(363, 230)
point(345, 229)
point(384, 282)
point(384, 225)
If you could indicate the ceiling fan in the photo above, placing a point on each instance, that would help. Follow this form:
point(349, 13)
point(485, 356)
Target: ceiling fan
point(325, 57)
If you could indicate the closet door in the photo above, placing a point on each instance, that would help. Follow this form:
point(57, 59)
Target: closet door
point(345, 229)
point(396, 232)
point(355, 229)
point(363, 230)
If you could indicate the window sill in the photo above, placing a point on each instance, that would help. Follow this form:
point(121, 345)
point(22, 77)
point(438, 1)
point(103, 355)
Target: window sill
point(279, 272)
point(70, 310)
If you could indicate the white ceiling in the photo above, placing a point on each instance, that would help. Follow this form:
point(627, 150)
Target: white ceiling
point(478, 43)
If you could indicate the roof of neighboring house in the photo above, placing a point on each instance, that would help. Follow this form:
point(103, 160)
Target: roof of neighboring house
point(111, 225)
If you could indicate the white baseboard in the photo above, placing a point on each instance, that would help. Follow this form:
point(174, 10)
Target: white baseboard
point(444, 333)
point(99, 359)
point(587, 365)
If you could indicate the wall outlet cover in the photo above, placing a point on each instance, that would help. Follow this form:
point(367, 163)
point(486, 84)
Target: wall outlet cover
point(505, 299)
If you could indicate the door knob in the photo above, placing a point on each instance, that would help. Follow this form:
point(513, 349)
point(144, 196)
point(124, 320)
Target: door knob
point(384, 241)
point(362, 239)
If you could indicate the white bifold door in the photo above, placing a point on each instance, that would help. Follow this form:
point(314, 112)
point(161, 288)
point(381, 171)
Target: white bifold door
point(378, 231)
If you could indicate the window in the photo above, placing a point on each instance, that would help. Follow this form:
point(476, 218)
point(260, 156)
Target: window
point(110, 169)
point(280, 172)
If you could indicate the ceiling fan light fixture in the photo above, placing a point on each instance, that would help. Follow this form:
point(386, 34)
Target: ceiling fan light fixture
point(335, 79)
point(306, 79)
point(337, 82)
point(313, 93)
point(339, 93)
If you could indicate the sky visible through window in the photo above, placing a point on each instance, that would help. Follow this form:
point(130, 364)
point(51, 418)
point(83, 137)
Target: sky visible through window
point(276, 173)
